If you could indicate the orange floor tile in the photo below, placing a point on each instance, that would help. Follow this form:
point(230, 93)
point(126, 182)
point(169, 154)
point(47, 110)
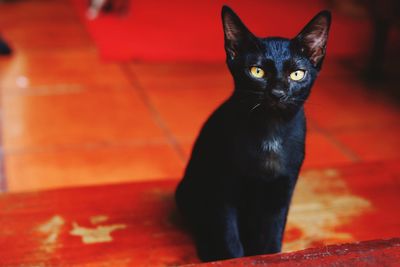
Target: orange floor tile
point(81, 117)
point(184, 95)
point(33, 71)
point(88, 164)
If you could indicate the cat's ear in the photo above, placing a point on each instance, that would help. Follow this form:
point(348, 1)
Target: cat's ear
point(236, 33)
point(313, 38)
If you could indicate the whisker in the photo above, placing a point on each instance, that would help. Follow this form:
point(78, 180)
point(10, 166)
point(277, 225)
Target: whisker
point(284, 98)
point(256, 106)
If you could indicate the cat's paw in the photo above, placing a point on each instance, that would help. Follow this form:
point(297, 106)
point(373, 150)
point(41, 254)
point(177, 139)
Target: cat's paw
point(207, 252)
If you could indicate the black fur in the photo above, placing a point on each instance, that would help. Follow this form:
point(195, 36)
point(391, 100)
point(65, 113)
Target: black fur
point(238, 184)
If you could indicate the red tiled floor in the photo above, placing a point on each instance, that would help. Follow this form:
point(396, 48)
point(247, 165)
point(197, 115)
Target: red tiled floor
point(322, 151)
point(91, 164)
point(45, 71)
point(373, 144)
point(337, 103)
point(184, 94)
point(42, 25)
point(105, 116)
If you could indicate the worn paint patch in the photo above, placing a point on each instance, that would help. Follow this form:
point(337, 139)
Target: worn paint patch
point(99, 234)
point(98, 219)
point(321, 203)
point(52, 229)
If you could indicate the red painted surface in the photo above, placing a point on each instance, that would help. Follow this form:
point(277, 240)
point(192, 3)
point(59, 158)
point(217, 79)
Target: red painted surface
point(151, 236)
point(43, 227)
point(368, 253)
point(378, 184)
point(181, 30)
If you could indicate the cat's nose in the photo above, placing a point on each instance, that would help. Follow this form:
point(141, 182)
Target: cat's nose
point(277, 93)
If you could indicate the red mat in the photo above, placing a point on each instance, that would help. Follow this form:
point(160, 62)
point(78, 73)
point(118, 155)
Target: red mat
point(191, 30)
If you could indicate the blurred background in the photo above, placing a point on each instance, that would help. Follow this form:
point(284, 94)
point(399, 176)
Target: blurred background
point(101, 92)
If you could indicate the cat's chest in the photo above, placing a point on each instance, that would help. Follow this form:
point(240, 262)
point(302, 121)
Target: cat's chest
point(271, 154)
point(264, 154)
point(271, 145)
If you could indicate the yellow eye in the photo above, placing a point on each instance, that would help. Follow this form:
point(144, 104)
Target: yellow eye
point(257, 72)
point(297, 75)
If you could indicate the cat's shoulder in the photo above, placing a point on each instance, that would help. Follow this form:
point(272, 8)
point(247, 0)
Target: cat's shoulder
point(222, 114)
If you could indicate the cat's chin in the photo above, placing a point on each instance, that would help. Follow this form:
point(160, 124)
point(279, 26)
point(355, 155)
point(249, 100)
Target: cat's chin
point(278, 105)
point(282, 107)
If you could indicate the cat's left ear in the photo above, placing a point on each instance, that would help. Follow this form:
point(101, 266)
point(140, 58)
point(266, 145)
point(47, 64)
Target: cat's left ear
point(313, 38)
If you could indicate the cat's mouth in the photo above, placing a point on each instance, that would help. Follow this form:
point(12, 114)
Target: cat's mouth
point(277, 104)
point(283, 103)
point(276, 101)
point(260, 101)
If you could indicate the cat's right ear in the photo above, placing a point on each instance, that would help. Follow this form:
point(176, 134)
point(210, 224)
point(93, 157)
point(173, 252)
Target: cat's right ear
point(235, 32)
point(313, 38)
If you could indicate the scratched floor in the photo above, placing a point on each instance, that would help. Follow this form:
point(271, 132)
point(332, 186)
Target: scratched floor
point(69, 119)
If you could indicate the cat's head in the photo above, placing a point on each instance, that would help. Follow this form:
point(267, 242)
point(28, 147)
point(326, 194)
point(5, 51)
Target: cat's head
point(278, 71)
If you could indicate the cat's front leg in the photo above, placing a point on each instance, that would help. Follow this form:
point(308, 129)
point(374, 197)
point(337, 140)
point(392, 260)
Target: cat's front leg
point(263, 235)
point(264, 218)
point(217, 235)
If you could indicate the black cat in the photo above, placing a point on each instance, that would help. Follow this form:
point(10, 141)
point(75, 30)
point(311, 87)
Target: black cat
point(238, 184)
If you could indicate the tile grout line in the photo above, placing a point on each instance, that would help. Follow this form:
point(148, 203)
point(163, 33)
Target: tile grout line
point(3, 180)
point(85, 145)
point(343, 148)
point(131, 76)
